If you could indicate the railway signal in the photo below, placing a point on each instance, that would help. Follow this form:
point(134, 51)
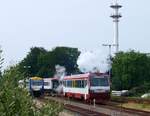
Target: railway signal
point(110, 57)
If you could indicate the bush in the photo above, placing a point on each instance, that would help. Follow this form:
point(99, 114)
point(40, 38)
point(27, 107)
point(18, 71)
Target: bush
point(15, 101)
point(138, 91)
point(51, 108)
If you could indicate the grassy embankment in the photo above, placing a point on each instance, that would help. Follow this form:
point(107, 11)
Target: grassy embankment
point(133, 102)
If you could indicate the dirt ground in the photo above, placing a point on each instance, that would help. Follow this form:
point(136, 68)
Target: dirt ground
point(67, 113)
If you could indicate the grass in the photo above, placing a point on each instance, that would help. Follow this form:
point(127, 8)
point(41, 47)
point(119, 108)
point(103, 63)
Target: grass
point(145, 107)
point(66, 113)
point(138, 104)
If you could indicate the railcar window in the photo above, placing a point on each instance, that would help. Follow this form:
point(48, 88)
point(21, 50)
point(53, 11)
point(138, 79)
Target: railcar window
point(85, 83)
point(46, 83)
point(73, 83)
point(64, 83)
point(37, 83)
point(69, 83)
point(82, 84)
point(79, 83)
point(55, 83)
point(76, 83)
point(99, 82)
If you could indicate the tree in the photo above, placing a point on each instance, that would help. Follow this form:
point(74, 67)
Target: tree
point(67, 57)
point(64, 56)
point(43, 62)
point(1, 61)
point(28, 65)
point(130, 69)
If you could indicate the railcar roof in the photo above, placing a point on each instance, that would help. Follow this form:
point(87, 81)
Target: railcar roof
point(51, 78)
point(36, 78)
point(86, 75)
point(47, 78)
point(78, 76)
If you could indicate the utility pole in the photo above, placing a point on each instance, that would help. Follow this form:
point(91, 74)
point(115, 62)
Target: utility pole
point(109, 46)
point(26, 73)
point(27, 68)
point(116, 15)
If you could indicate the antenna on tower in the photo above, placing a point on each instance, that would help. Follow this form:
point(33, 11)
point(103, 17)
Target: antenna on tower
point(116, 15)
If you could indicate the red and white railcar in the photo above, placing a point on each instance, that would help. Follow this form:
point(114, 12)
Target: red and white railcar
point(87, 86)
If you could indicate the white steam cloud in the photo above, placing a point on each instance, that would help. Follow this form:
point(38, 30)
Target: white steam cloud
point(93, 62)
point(60, 71)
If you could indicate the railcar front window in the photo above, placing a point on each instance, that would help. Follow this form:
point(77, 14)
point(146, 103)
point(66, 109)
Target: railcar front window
point(99, 82)
point(46, 83)
point(36, 83)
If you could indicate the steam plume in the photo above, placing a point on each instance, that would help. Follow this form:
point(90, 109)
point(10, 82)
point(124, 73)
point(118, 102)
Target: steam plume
point(60, 73)
point(92, 62)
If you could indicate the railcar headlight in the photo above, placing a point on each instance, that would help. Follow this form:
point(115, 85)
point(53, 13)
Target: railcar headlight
point(107, 91)
point(91, 91)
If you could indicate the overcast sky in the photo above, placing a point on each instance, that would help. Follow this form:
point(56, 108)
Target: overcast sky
point(84, 24)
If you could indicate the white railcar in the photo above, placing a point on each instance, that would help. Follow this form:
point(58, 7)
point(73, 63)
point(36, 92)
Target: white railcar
point(50, 85)
point(47, 85)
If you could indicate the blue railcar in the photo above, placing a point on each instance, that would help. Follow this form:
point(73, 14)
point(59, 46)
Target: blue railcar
point(36, 86)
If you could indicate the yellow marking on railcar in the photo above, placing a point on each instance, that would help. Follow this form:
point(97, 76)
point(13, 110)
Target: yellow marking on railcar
point(36, 78)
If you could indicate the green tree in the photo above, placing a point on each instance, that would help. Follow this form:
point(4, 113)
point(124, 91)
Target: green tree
point(130, 69)
point(64, 56)
point(67, 57)
point(29, 65)
point(1, 61)
point(42, 62)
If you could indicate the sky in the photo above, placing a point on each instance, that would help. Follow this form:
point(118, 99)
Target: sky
point(84, 24)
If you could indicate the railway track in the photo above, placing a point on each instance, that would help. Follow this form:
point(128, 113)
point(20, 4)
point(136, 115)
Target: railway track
point(109, 109)
point(114, 106)
point(83, 111)
point(77, 110)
